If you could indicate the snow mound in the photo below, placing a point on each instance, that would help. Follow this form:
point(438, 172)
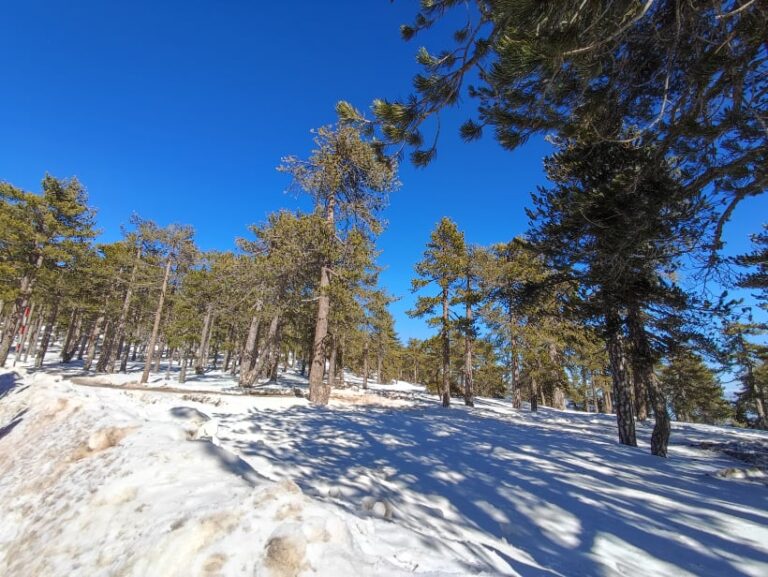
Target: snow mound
point(98, 483)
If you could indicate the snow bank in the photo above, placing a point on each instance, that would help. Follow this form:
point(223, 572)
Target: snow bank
point(105, 483)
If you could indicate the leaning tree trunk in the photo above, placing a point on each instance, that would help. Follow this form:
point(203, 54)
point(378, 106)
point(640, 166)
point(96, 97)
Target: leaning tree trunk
point(32, 344)
point(67, 351)
point(643, 361)
point(156, 326)
point(22, 346)
point(445, 383)
point(250, 350)
point(262, 362)
point(46, 340)
point(20, 305)
point(621, 385)
point(93, 341)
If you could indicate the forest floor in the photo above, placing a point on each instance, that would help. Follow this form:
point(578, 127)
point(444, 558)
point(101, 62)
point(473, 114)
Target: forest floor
point(106, 481)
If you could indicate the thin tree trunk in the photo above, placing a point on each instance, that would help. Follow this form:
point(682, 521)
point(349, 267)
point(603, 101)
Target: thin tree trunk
point(43, 348)
point(183, 366)
point(469, 389)
point(123, 319)
point(106, 347)
point(643, 361)
point(71, 340)
point(250, 350)
point(201, 361)
point(93, 341)
point(21, 303)
point(621, 385)
point(26, 326)
point(445, 385)
point(332, 363)
point(365, 362)
point(156, 325)
point(32, 343)
point(264, 355)
point(607, 400)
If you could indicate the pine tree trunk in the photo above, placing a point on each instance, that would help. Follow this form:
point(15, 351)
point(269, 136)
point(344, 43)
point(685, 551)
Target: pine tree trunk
point(119, 336)
point(250, 350)
point(643, 361)
point(32, 344)
point(46, 340)
point(183, 367)
point(332, 363)
point(125, 353)
point(621, 385)
point(21, 303)
point(534, 395)
point(201, 359)
point(106, 347)
point(274, 356)
point(319, 392)
point(26, 326)
point(66, 349)
point(641, 392)
point(365, 362)
point(469, 390)
point(445, 386)
point(93, 340)
point(156, 325)
point(248, 378)
point(607, 401)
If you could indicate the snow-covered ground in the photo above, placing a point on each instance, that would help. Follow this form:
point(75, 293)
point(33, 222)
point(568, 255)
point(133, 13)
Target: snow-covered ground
point(105, 482)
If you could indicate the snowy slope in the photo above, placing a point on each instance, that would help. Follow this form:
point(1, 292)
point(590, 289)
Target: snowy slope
point(110, 482)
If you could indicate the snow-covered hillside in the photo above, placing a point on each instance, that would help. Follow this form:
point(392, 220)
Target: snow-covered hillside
point(100, 481)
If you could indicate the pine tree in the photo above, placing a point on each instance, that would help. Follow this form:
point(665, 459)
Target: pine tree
point(443, 264)
point(36, 232)
point(693, 391)
point(686, 77)
point(350, 181)
point(615, 224)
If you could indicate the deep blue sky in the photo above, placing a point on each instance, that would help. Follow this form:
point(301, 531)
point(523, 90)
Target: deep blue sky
point(181, 110)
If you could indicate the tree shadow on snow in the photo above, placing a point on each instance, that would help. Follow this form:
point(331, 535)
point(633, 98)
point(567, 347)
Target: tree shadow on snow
point(551, 496)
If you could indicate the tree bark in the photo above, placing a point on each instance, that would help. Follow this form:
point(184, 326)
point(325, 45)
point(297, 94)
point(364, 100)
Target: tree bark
point(32, 343)
point(469, 389)
point(156, 325)
point(122, 320)
point(643, 361)
point(250, 350)
point(365, 362)
point(620, 375)
point(319, 392)
point(332, 364)
point(43, 348)
point(264, 355)
point(93, 342)
point(21, 303)
point(72, 329)
point(201, 359)
point(445, 384)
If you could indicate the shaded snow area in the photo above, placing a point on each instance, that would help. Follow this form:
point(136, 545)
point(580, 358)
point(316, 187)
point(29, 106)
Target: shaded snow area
point(104, 482)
